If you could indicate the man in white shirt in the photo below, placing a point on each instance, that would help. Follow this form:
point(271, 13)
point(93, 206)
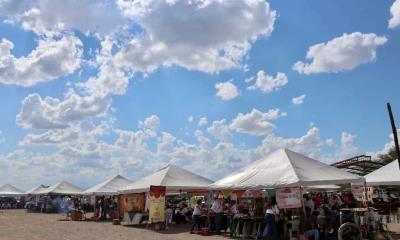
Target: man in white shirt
point(218, 209)
point(309, 203)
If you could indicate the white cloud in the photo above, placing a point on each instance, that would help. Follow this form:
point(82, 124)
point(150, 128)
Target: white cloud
point(341, 54)
point(220, 130)
point(202, 28)
point(386, 147)
point(256, 122)
point(346, 149)
point(267, 83)
point(109, 80)
point(203, 122)
point(50, 60)
point(47, 17)
point(79, 133)
point(2, 139)
point(249, 79)
point(49, 113)
point(190, 119)
point(298, 100)
point(309, 144)
point(87, 152)
point(150, 125)
point(347, 144)
point(329, 141)
point(226, 90)
point(394, 21)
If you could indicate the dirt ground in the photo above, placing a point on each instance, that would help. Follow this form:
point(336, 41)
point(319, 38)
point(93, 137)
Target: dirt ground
point(17, 225)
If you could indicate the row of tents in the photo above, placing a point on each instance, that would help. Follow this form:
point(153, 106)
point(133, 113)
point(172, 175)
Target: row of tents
point(282, 168)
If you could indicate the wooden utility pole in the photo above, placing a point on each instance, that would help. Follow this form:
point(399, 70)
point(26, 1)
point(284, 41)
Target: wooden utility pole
point(394, 129)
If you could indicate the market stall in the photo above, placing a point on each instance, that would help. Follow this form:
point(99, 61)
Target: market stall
point(388, 175)
point(103, 197)
point(10, 197)
point(61, 197)
point(33, 203)
point(137, 197)
point(286, 174)
point(386, 183)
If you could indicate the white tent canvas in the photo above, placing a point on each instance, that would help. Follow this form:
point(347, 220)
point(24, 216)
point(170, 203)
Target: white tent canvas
point(386, 175)
point(284, 168)
point(37, 189)
point(110, 186)
point(62, 188)
point(173, 178)
point(8, 190)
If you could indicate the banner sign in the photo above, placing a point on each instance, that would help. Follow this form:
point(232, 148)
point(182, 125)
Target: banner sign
point(359, 192)
point(288, 197)
point(157, 204)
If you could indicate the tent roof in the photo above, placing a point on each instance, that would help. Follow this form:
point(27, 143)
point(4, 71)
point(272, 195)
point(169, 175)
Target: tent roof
point(110, 186)
point(62, 187)
point(36, 189)
point(386, 175)
point(173, 177)
point(10, 190)
point(284, 168)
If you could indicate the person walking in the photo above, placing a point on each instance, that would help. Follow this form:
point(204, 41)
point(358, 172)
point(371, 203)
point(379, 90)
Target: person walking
point(196, 216)
point(218, 210)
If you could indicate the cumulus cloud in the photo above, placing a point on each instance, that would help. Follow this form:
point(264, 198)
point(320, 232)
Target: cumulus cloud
point(347, 144)
point(341, 54)
point(150, 125)
point(49, 113)
point(79, 133)
point(394, 21)
point(203, 121)
point(329, 141)
point(47, 17)
point(309, 144)
point(267, 83)
point(81, 150)
point(220, 130)
point(226, 90)
point(256, 122)
point(345, 150)
point(202, 28)
point(50, 60)
point(387, 146)
point(298, 100)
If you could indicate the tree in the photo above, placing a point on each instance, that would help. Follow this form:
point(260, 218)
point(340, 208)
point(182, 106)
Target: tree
point(388, 157)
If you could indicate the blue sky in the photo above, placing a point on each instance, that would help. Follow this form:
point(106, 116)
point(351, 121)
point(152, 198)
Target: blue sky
point(86, 96)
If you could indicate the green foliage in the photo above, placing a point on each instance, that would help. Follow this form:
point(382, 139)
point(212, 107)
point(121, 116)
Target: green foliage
point(388, 157)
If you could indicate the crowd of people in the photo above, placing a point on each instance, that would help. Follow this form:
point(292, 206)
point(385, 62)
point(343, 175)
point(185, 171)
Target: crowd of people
point(106, 206)
point(319, 221)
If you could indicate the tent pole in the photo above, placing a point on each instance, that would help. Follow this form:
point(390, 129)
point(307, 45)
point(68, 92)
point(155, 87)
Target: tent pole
point(394, 129)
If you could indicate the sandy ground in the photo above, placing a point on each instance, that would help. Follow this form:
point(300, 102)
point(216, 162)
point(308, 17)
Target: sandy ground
point(17, 225)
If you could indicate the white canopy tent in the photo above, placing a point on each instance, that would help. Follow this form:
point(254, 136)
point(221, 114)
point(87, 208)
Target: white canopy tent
point(386, 175)
point(109, 187)
point(37, 189)
point(174, 178)
point(62, 188)
point(285, 168)
point(323, 187)
point(8, 190)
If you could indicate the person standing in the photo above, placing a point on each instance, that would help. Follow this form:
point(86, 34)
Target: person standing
point(196, 216)
point(218, 209)
point(271, 229)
